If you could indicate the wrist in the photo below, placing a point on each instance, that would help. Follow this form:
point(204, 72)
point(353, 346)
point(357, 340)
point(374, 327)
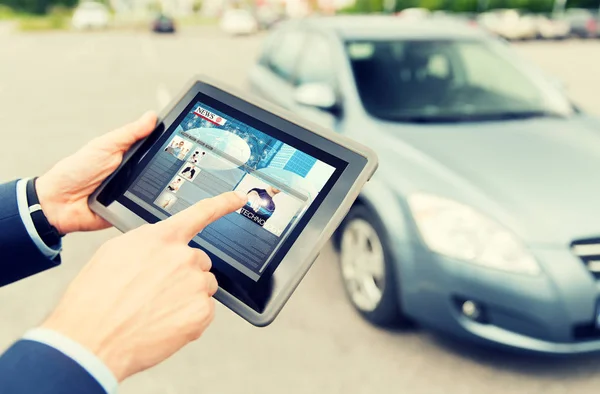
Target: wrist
point(47, 200)
point(114, 357)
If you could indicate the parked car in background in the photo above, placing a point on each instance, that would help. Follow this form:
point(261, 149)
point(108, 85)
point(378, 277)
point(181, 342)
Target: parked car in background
point(509, 24)
point(268, 16)
point(466, 18)
point(478, 221)
point(163, 24)
point(550, 28)
point(90, 15)
point(237, 21)
point(583, 23)
point(415, 13)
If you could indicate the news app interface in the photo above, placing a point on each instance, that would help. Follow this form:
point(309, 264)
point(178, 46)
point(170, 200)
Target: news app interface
point(210, 153)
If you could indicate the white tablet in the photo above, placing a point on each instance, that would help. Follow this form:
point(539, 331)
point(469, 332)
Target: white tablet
point(300, 179)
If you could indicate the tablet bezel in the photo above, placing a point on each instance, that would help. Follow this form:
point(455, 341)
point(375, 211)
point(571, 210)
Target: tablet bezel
point(361, 164)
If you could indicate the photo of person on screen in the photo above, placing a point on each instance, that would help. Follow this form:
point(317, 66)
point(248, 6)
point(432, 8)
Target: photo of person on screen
point(175, 184)
point(175, 148)
point(166, 200)
point(260, 202)
point(197, 156)
point(190, 172)
point(179, 148)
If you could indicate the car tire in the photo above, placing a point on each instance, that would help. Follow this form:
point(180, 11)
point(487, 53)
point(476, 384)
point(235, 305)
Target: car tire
point(371, 287)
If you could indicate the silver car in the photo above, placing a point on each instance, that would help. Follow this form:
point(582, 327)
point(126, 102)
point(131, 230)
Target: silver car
point(483, 220)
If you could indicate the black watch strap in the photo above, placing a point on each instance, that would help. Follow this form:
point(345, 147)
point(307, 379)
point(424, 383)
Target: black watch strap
point(48, 233)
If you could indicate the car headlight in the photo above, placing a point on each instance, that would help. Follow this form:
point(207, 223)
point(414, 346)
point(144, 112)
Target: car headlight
point(458, 231)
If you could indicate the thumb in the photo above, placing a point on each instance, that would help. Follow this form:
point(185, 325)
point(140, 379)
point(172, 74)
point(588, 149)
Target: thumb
point(189, 222)
point(124, 137)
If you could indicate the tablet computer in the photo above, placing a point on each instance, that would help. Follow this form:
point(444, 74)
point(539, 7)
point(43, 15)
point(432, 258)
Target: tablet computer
point(301, 180)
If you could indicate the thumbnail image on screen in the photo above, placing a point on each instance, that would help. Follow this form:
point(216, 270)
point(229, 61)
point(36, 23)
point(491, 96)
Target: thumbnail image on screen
point(210, 153)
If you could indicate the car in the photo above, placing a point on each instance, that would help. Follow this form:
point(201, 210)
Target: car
point(509, 24)
point(268, 16)
point(163, 24)
point(481, 220)
point(550, 28)
point(415, 13)
point(90, 15)
point(238, 21)
point(465, 18)
point(583, 23)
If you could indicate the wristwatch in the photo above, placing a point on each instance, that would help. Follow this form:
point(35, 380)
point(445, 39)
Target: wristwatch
point(47, 232)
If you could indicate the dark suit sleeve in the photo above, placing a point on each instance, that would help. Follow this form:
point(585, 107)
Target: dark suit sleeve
point(19, 256)
point(30, 367)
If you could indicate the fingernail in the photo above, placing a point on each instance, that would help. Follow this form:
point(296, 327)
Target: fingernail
point(243, 196)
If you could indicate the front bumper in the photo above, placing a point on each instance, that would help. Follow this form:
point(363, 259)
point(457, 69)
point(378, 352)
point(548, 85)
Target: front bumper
point(554, 312)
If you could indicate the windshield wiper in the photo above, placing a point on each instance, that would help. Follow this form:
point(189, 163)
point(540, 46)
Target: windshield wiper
point(472, 117)
point(526, 115)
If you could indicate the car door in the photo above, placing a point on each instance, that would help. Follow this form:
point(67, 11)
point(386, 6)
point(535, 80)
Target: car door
point(272, 78)
point(316, 66)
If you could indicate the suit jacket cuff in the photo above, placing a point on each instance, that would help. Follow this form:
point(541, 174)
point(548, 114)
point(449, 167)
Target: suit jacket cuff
point(86, 359)
point(20, 255)
point(31, 367)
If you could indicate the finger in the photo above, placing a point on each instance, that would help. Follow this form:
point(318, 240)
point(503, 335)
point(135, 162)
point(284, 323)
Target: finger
point(211, 283)
point(201, 260)
point(189, 222)
point(124, 137)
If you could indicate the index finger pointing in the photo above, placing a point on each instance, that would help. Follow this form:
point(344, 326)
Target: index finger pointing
point(192, 220)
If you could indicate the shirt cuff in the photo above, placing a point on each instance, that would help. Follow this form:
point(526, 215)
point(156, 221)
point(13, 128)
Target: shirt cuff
point(23, 205)
point(86, 359)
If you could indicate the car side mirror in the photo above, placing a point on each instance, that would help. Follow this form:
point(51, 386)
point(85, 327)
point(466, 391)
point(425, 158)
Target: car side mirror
point(318, 95)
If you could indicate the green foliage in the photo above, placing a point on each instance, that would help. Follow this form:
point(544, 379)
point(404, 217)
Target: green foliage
point(36, 7)
point(9, 8)
point(6, 12)
point(369, 6)
point(57, 18)
point(364, 7)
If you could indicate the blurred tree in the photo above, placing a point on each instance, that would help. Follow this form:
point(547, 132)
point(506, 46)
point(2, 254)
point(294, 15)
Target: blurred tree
point(463, 5)
point(367, 6)
point(584, 3)
point(361, 6)
point(403, 4)
point(197, 6)
point(434, 4)
point(37, 6)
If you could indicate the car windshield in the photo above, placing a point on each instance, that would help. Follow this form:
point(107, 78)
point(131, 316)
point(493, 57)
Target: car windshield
point(450, 80)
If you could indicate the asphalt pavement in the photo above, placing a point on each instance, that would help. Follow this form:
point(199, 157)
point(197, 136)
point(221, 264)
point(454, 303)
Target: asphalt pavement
point(58, 90)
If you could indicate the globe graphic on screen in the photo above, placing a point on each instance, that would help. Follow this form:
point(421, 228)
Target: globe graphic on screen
point(226, 146)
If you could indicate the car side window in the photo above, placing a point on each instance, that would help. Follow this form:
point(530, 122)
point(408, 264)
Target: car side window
point(284, 53)
point(316, 63)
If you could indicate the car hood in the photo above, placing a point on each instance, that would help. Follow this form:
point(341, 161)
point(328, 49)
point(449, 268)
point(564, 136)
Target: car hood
point(539, 177)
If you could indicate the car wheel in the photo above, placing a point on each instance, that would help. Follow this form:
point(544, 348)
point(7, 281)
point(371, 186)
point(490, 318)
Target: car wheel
point(367, 268)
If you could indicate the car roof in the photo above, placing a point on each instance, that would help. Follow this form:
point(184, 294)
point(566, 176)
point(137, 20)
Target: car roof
point(388, 27)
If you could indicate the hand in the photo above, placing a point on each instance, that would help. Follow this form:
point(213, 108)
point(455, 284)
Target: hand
point(64, 190)
point(254, 200)
point(145, 294)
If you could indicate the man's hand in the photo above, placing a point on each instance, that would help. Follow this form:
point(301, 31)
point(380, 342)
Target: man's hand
point(145, 294)
point(64, 190)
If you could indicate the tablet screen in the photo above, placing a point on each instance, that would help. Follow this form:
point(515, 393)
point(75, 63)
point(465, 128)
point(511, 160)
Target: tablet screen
point(211, 150)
